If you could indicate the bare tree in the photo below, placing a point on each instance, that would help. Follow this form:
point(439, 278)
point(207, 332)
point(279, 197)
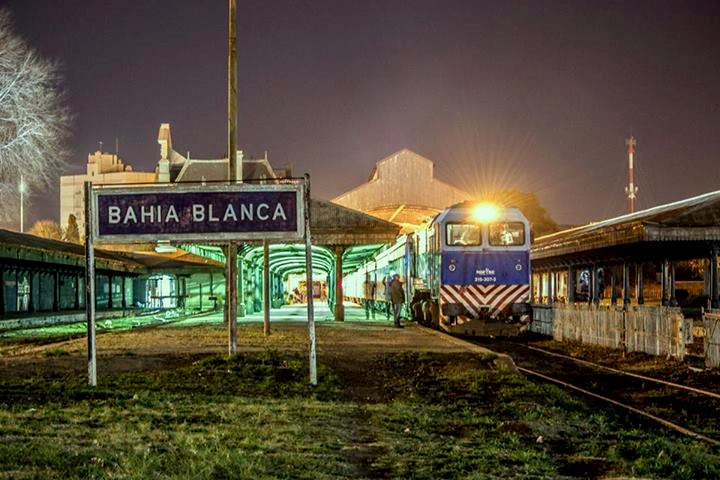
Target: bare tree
point(34, 121)
point(72, 233)
point(47, 229)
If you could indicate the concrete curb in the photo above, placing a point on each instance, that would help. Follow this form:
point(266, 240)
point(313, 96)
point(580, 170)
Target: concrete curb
point(503, 362)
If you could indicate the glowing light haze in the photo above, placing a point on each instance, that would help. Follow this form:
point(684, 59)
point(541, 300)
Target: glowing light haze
point(532, 95)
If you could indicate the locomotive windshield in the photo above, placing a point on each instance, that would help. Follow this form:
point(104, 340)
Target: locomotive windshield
point(461, 234)
point(506, 234)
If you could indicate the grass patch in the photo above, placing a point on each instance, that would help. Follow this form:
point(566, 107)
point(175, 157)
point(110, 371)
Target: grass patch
point(56, 352)
point(255, 416)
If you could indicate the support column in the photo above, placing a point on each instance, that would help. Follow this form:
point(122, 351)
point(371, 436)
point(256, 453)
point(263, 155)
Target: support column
point(231, 296)
point(77, 291)
point(31, 290)
point(664, 283)
point(571, 285)
point(56, 292)
point(552, 287)
point(211, 293)
point(266, 288)
point(339, 307)
point(626, 284)
point(639, 285)
point(532, 288)
point(706, 277)
point(673, 299)
point(110, 292)
point(714, 300)
point(241, 287)
point(2, 291)
point(613, 287)
point(595, 296)
point(541, 281)
point(123, 296)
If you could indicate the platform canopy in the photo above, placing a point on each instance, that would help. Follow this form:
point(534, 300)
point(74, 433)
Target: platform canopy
point(681, 230)
point(332, 224)
point(18, 247)
point(358, 235)
point(288, 259)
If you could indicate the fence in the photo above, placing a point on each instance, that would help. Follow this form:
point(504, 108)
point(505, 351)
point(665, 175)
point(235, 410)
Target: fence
point(542, 320)
point(657, 331)
point(594, 325)
point(653, 330)
point(711, 322)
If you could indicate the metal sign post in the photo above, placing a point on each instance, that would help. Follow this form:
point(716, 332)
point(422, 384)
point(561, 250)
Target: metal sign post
point(90, 284)
point(309, 288)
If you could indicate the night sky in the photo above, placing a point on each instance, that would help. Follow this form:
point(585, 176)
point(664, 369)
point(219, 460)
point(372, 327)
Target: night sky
point(533, 95)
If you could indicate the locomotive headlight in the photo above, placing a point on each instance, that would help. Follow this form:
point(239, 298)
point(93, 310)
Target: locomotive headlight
point(486, 212)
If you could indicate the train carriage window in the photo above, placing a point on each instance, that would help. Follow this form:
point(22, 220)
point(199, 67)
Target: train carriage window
point(461, 234)
point(506, 234)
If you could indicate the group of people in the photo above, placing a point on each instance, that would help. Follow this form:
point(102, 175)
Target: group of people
point(394, 297)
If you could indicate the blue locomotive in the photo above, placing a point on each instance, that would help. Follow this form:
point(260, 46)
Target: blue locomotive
point(466, 272)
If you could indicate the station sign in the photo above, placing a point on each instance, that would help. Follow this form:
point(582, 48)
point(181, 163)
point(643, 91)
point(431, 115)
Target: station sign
point(198, 213)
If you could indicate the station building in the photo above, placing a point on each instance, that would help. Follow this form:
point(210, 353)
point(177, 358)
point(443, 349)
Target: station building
point(646, 281)
point(102, 168)
point(402, 189)
point(43, 281)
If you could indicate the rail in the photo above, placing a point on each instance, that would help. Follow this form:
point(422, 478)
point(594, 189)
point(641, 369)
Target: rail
point(623, 372)
point(661, 421)
point(638, 411)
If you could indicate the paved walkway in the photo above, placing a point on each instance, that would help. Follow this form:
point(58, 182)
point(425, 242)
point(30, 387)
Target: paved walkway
point(144, 348)
point(289, 313)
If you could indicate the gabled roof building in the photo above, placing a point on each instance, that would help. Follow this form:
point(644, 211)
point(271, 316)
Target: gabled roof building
point(402, 188)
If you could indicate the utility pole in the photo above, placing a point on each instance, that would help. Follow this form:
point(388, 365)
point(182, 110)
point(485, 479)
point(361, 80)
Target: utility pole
point(231, 266)
point(631, 189)
point(22, 188)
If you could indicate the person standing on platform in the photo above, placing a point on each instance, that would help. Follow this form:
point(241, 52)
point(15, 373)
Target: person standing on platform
point(369, 294)
point(397, 294)
point(387, 286)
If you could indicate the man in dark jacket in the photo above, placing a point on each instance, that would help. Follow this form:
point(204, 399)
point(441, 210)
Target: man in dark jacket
point(397, 294)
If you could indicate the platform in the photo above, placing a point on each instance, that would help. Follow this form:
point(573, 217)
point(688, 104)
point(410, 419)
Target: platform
point(136, 349)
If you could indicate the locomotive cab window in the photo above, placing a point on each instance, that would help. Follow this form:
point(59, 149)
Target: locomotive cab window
point(462, 234)
point(506, 234)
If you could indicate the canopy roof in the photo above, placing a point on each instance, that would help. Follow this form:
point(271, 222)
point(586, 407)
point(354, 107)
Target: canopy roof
point(286, 259)
point(30, 248)
point(679, 230)
point(332, 224)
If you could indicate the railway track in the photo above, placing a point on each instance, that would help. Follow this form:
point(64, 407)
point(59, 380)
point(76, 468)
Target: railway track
point(692, 411)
